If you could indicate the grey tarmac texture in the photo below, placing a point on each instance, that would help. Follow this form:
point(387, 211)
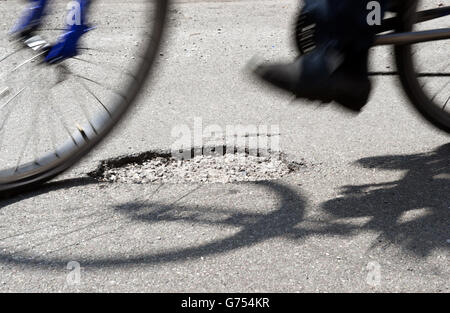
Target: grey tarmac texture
point(373, 194)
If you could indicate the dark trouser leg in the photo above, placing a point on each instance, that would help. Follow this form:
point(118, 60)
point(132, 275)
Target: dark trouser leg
point(344, 22)
point(337, 68)
point(343, 25)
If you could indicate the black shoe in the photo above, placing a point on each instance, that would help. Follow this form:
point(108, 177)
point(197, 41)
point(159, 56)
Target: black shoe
point(316, 77)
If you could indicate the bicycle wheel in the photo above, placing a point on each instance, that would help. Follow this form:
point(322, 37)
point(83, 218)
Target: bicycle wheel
point(424, 68)
point(53, 115)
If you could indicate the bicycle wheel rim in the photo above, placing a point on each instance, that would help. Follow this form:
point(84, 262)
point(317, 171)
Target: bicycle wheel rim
point(432, 103)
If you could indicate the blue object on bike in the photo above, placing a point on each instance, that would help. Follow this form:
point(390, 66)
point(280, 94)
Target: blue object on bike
point(67, 46)
point(31, 18)
point(68, 42)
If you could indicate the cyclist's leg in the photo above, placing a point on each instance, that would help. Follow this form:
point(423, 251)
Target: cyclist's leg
point(337, 68)
point(351, 25)
point(353, 32)
point(31, 18)
point(344, 22)
point(76, 27)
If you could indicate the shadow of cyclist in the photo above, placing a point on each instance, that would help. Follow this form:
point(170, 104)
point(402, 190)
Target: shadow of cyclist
point(254, 227)
point(412, 212)
point(391, 209)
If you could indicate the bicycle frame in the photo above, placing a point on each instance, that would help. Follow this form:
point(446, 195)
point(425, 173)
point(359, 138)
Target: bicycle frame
point(413, 37)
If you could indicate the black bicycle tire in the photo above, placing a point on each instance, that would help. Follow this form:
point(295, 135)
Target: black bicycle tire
point(15, 186)
point(407, 74)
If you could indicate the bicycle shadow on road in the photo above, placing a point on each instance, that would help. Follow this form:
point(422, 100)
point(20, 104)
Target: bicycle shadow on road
point(412, 212)
point(46, 188)
point(254, 228)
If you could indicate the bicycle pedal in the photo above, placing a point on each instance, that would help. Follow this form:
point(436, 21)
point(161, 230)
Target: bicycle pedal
point(305, 33)
point(37, 43)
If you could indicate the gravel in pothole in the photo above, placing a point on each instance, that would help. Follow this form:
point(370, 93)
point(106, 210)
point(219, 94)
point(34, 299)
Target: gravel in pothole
point(200, 169)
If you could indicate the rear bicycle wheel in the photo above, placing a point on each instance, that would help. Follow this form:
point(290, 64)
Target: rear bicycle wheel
point(53, 115)
point(424, 68)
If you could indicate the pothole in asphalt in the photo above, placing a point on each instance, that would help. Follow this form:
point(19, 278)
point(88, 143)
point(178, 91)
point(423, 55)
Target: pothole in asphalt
point(213, 167)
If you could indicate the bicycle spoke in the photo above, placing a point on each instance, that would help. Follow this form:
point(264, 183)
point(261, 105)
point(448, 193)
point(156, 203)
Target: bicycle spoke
point(96, 50)
point(28, 61)
point(22, 64)
point(107, 66)
point(443, 69)
point(94, 96)
point(53, 29)
point(63, 123)
point(443, 87)
point(52, 134)
point(97, 83)
point(4, 92)
point(12, 98)
point(6, 118)
point(29, 135)
point(85, 113)
point(445, 104)
point(36, 137)
point(67, 107)
point(11, 54)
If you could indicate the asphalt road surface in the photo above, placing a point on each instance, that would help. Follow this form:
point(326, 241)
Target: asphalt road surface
point(368, 211)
